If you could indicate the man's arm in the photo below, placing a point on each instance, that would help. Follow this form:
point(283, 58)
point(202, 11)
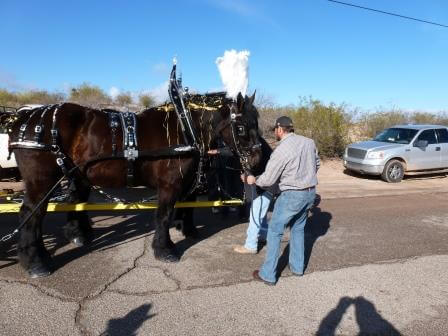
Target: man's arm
point(274, 169)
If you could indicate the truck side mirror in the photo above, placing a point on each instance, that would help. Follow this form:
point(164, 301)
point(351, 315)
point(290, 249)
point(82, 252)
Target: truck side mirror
point(421, 143)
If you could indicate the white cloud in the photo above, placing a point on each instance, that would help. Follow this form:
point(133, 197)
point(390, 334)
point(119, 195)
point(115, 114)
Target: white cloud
point(159, 93)
point(114, 92)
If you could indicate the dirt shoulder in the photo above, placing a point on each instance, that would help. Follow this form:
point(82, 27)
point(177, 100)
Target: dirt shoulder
point(334, 182)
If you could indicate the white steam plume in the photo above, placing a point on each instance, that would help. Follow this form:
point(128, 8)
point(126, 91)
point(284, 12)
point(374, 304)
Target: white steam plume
point(234, 70)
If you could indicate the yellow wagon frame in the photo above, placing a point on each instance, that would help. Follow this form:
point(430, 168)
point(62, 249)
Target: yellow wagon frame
point(64, 207)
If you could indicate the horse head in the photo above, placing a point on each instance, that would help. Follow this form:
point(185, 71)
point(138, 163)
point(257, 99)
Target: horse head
point(242, 134)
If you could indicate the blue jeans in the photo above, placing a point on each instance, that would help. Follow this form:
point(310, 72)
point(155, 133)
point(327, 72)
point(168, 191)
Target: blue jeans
point(258, 225)
point(291, 207)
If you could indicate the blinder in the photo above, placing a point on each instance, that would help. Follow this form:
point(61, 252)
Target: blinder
point(240, 130)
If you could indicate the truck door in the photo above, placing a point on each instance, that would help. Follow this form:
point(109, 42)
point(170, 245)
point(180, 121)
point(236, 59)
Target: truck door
point(442, 139)
point(428, 157)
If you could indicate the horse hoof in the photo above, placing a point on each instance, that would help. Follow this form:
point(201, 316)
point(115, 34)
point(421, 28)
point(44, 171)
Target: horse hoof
point(172, 258)
point(168, 258)
point(81, 241)
point(40, 271)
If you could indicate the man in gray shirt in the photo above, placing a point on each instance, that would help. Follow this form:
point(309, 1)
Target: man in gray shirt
point(293, 164)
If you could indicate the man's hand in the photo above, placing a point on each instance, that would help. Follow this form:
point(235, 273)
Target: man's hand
point(250, 179)
point(243, 178)
point(213, 152)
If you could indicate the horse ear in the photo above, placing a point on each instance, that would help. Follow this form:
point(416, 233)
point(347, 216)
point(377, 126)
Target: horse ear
point(252, 98)
point(239, 101)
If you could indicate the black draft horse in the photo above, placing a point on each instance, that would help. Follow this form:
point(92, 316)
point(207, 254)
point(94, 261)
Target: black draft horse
point(84, 136)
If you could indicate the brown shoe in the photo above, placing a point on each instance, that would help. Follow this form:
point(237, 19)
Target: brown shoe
point(243, 250)
point(257, 277)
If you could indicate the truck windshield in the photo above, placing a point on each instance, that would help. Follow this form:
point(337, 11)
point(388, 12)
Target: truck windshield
point(396, 135)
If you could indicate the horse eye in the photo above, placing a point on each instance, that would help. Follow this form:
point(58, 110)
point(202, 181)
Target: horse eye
point(241, 130)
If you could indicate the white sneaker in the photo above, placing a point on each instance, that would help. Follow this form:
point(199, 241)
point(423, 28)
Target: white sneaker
point(243, 250)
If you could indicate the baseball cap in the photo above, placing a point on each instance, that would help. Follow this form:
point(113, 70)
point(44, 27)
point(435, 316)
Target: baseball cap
point(283, 121)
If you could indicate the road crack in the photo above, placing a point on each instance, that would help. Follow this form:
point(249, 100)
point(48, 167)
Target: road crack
point(79, 313)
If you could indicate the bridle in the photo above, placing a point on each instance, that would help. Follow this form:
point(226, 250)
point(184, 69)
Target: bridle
point(242, 152)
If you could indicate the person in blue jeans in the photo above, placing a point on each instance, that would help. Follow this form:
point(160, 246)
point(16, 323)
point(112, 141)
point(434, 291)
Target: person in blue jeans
point(293, 165)
point(258, 225)
point(260, 202)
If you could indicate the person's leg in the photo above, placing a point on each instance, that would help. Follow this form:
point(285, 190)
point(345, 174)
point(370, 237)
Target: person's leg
point(257, 220)
point(267, 199)
point(297, 237)
point(280, 218)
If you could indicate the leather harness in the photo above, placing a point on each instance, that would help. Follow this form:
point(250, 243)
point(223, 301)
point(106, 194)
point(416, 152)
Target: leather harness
point(128, 123)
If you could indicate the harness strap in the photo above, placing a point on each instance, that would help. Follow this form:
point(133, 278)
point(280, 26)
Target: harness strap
point(39, 128)
point(177, 98)
point(153, 153)
point(113, 123)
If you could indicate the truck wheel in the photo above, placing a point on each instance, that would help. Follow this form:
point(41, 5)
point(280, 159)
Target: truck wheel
point(393, 171)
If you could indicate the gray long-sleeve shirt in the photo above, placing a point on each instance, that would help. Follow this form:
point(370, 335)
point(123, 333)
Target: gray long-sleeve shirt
point(294, 164)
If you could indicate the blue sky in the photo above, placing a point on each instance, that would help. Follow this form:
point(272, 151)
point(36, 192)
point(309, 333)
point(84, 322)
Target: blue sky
point(298, 48)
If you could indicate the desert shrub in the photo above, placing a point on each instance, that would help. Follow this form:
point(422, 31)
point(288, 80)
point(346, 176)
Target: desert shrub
point(39, 97)
point(268, 115)
point(326, 124)
point(146, 100)
point(123, 99)
point(16, 99)
point(8, 99)
point(373, 123)
point(90, 95)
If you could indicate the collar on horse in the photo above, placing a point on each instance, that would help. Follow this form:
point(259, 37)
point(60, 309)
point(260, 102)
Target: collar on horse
point(177, 96)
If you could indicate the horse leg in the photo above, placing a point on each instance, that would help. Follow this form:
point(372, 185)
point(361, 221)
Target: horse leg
point(78, 229)
point(30, 248)
point(185, 216)
point(162, 244)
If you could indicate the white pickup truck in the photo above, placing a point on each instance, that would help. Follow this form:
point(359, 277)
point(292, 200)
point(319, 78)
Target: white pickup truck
point(8, 168)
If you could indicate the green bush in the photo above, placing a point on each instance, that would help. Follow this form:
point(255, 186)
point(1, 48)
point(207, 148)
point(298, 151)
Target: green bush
point(90, 95)
point(123, 99)
point(17, 99)
point(146, 101)
point(373, 123)
point(327, 125)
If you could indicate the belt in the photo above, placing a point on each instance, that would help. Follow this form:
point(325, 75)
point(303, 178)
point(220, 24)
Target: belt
point(305, 189)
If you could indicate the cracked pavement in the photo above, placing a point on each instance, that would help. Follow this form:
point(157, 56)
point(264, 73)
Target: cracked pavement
point(377, 263)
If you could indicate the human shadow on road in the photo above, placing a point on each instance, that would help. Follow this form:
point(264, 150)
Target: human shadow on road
point(129, 324)
point(317, 226)
point(369, 320)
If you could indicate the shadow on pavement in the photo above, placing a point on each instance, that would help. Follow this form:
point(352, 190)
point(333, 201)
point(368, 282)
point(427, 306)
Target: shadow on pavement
point(209, 224)
point(129, 324)
point(134, 226)
point(369, 320)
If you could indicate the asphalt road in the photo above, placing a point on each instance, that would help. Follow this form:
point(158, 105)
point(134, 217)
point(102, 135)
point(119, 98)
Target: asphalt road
point(376, 265)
